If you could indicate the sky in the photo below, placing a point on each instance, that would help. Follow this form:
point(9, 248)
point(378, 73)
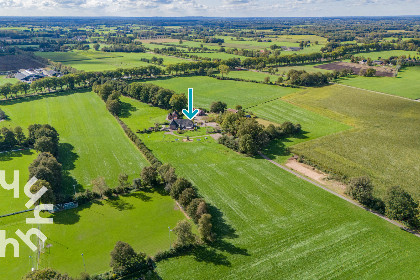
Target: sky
point(210, 8)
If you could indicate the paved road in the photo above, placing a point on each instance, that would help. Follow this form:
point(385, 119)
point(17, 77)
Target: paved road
point(339, 195)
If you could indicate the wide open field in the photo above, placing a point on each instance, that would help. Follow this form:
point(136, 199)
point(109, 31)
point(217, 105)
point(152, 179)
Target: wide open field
point(273, 223)
point(4, 80)
point(141, 219)
point(384, 144)
point(103, 61)
point(92, 143)
point(208, 90)
point(406, 84)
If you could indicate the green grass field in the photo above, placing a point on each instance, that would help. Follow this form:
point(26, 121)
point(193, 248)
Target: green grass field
point(272, 223)
point(92, 143)
point(4, 80)
point(218, 55)
point(387, 54)
point(140, 116)
point(208, 90)
point(405, 84)
point(140, 219)
point(102, 61)
point(313, 125)
point(251, 75)
point(384, 144)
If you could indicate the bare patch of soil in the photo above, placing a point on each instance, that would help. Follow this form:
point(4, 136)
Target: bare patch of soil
point(316, 175)
point(381, 71)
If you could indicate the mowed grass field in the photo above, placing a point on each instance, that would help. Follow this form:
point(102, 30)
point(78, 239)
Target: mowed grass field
point(103, 61)
point(139, 116)
point(208, 90)
point(406, 84)
point(313, 125)
point(387, 54)
point(4, 80)
point(140, 219)
point(92, 143)
point(384, 144)
point(274, 225)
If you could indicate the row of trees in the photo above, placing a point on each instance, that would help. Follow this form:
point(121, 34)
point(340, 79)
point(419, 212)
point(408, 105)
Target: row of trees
point(158, 96)
point(398, 204)
point(247, 136)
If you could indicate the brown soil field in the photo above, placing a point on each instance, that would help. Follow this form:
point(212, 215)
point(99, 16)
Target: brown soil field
point(381, 71)
point(19, 61)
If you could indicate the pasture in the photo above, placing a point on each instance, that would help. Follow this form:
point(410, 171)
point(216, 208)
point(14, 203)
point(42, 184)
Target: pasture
point(387, 54)
point(272, 223)
point(313, 125)
point(103, 61)
point(139, 116)
point(384, 144)
point(4, 80)
point(92, 143)
point(208, 90)
point(141, 219)
point(405, 84)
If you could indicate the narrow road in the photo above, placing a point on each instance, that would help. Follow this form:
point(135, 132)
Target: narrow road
point(339, 195)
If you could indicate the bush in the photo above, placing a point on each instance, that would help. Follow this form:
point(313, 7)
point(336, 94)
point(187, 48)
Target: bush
point(187, 196)
point(360, 189)
point(179, 186)
point(401, 206)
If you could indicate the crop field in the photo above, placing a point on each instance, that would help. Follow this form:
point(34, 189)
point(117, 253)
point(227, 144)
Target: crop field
point(139, 116)
point(276, 224)
point(384, 144)
point(78, 231)
point(101, 61)
point(406, 84)
point(92, 143)
point(313, 125)
point(208, 90)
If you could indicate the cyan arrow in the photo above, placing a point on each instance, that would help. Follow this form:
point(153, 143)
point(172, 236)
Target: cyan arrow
point(190, 113)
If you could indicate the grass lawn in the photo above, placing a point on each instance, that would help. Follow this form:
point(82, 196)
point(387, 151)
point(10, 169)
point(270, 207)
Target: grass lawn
point(406, 84)
point(139, 116)
point(219, 55)
point(387, 54)
point(272, 223)
point(208, 90)
point(9, 162)
point(313, 125)
point(92, 143)
point(103, 61)
point(140, 219)
point(4, 80)
point(384, 144)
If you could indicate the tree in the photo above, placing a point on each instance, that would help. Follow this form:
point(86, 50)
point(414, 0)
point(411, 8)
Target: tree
point(280, 80)
point(167, 173)
point(224, 69)
point(178, 102)
point(192, 208)
point(360, 189)
point(187, 196)
point(46, 167)
point(9, 140)
point(205, 228)
point(218, 107)
point(48, 197)
point(123, 180)
point(46, 274)
point(400, 205)
point(149, 175)
point(247, 145)
point(124, 260)
point(20, 136)
point(96, 46)
point(267, 79)
point(184, 234)
point(179, 186)
point(201, 209)
point(137, 183)
point(45, 144)
point(113, 106)
point(100, 187)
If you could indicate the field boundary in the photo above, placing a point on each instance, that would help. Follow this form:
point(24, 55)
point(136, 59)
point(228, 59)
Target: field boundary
point(339, 195)
point(378, 92)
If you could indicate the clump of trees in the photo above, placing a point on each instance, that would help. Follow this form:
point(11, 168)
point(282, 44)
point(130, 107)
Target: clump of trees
point(124, 48)
point(124, 260)
point(247, 136)
point(398, 203)
point(157, 96)
point(303, 78)
point(370, 72)
point(218, 107)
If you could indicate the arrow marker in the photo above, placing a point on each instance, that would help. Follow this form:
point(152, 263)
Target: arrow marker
point(190, 114)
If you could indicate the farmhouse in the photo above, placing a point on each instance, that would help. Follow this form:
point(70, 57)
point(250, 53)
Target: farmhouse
point(181, 124)
point(29, 76)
